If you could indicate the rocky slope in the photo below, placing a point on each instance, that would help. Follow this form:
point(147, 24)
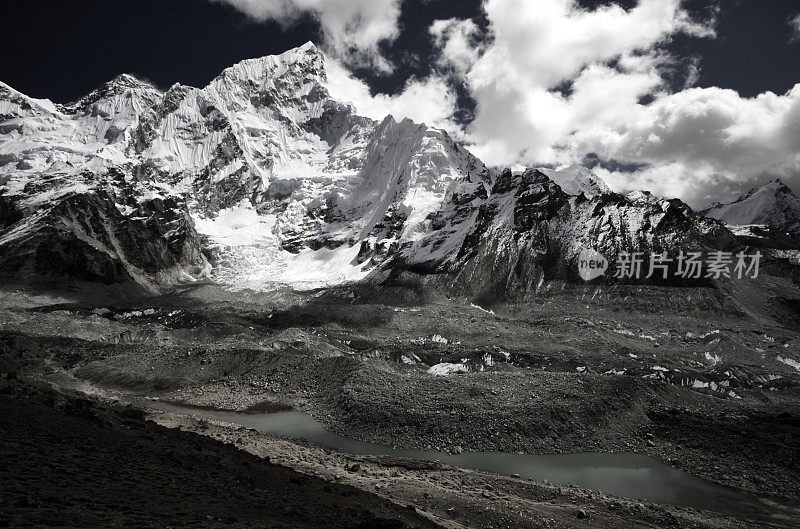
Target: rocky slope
point(269, 178)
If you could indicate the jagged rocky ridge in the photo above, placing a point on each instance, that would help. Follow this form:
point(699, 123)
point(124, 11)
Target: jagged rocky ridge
point(262, 177)
point(506, 240)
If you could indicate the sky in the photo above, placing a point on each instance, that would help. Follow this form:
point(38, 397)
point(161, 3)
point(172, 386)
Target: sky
point(698, 99)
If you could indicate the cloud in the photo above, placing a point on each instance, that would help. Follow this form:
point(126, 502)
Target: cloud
point(794, 23)
point(521, 115)
point(703, 143)
point(352, 29)
point(458, 43)
point(555, 83)
point(429, 100)
point(693, 73)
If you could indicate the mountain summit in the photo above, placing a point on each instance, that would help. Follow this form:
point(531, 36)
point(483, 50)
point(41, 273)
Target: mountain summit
point(262, 178)
point(576, 179)
point(773, 205)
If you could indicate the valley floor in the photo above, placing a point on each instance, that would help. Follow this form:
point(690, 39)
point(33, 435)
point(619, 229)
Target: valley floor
point(702, 379)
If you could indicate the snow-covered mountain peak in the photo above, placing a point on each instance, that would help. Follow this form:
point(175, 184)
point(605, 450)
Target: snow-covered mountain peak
point(126, 81)
point(15, 104)
point(304, 64)
point(121, 92)
point(577, 179)
point(773, 205)
point(777, 185)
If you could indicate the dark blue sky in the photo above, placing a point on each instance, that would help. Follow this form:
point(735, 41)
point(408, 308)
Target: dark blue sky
point(62, 49)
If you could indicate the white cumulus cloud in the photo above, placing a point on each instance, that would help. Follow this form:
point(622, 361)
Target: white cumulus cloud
point(457, 41)
point(427, 100)
point(353, 29)
point(701, 142)
point(555, 83)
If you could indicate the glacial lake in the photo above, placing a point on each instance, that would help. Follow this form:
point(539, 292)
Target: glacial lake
point(628, 475)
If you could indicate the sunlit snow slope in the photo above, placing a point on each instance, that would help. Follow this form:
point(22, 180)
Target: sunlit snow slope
point(574, 180)
point(774, 205)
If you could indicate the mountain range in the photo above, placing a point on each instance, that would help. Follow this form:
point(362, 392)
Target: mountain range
point(262, 178)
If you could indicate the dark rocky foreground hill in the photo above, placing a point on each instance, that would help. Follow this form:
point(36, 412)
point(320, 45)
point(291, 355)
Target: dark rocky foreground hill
point(70, 462)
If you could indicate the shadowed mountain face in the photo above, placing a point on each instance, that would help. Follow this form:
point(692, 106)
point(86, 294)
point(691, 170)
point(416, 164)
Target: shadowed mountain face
point(262, 178)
